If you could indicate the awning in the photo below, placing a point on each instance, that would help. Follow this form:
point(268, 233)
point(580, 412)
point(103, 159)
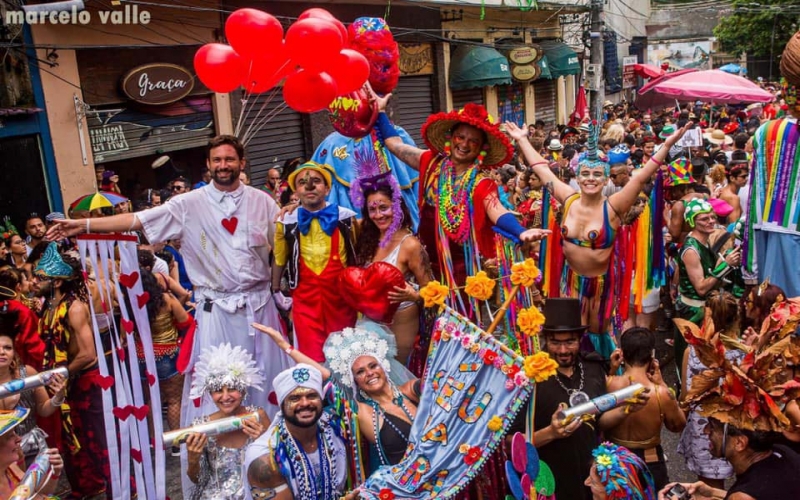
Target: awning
point(544, 64)
point(561, 59)
point(478, 66)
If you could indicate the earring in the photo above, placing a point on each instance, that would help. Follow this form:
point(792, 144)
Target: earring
point(480, 158)
point(447, 144)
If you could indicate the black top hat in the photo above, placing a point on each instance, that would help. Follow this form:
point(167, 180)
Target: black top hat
point(563, 315)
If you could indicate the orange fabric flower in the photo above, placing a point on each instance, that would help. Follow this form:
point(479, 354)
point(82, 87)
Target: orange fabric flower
point(434, 293)
point(530, 321)
point(524, 273)
point(480, 286)
point(539, 366)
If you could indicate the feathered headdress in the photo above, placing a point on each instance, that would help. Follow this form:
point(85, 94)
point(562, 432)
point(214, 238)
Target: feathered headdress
point(225, 366)
point(620, 472)
point(371, 174)
point(750, 393)
point(343, 348)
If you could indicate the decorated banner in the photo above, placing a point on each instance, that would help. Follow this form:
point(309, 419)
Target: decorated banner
point(473, 388)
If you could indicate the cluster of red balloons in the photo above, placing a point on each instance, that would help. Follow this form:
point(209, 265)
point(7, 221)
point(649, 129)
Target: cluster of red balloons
point(312, 59)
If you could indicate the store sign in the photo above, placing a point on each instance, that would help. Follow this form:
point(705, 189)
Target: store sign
point(416, 59)
point(628, 75)
point(525, 55)
point(159, 83)
point(525, 72)
point(108, 139)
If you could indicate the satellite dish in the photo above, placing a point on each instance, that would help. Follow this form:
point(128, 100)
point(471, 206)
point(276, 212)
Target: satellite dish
point(160, 161)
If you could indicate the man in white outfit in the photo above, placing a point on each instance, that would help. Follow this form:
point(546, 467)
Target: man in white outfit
point(227, 233)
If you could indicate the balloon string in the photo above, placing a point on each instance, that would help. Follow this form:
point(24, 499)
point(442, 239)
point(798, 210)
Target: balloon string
point(245, 98)
point(256, 127)
point(247, 135)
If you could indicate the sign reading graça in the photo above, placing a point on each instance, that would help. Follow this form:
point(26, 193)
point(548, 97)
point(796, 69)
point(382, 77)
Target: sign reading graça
point(159, 83)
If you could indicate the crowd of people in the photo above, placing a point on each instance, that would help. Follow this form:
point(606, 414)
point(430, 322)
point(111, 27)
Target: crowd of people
point(326, 374)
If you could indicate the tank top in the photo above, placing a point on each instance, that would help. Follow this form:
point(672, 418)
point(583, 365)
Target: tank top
point(163, 328)
point(774, 477)
point(394, 443)
point(409, 276)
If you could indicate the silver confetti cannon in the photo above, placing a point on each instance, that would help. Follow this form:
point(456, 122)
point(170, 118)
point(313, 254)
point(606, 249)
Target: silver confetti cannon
point(34, 479)
point(602, 403)
point(221, 426)
point(19, 385)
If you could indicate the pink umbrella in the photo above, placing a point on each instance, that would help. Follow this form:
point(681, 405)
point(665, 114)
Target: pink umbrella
point(646, 71)
point(711, 85)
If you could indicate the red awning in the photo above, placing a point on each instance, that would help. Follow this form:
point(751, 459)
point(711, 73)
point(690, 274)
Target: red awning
point(646, 71)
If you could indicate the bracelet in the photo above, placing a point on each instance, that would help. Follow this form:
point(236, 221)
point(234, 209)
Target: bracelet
point(657, 161)
point(543, 162)
point(88, 229)
point(55, 404)
point(385, 127)
point(289, 350)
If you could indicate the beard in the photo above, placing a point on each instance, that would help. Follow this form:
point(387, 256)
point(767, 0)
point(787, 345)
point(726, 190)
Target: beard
point(232, 178)
point(292, 419)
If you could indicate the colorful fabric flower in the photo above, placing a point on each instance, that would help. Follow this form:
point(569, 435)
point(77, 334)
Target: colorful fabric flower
point(539, 366)
point(521, 380)
point(623, 474)
point(434, 293)
point(512, 370)
point(386, 494)
point(463, 449)
point(530, 321)
point(524, 273)
point(480, 286)
point(489, 357)
point(473, 455)
point(495, 423)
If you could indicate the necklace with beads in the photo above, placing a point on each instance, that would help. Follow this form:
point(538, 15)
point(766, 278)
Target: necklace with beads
point(309, 485)
point(399, 400)
point(455, 200)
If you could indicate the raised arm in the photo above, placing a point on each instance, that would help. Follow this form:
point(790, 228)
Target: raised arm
point(626, 197)
point(408, 154)
point(293, 353)
point(540, 166)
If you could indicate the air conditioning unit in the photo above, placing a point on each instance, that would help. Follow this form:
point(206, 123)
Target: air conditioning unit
point(594, 76)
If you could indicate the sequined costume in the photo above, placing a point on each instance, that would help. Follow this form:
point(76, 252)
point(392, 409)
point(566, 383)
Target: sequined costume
point(220, 476)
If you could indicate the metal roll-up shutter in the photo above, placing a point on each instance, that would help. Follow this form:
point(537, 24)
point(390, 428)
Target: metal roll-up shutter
point(277, 141)
point(414, 104)
point(544, 95)
point(464, 96)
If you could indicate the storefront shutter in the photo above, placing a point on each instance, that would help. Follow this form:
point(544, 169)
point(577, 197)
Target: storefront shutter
point(277, 141)
point(464, 96)
point(544, 94)
point(414, 104)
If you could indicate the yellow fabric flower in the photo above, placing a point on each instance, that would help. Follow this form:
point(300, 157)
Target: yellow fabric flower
point(603, 460)
point(463, 449)
point(480, 286)
point(524, 273)
point(434, 293)
point(530, 321)
point(495, 424)
point(540, 367)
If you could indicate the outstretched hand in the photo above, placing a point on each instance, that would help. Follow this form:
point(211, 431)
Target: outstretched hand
point(515, 132)
point(64, 228)
point(382, 101)
point(674, 138)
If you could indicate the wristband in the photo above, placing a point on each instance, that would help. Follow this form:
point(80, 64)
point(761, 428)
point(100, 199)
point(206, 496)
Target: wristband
point(289, 350)
point(385, 127)
point(507, 225)
point(722, 270)
point(543, 162)
point(88, 229)
point(55, 404)
point(657, 161)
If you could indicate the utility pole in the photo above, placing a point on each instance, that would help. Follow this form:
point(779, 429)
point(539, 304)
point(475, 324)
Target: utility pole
point(596, 56)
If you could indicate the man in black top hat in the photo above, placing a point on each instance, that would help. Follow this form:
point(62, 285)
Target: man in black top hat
point(567, 446)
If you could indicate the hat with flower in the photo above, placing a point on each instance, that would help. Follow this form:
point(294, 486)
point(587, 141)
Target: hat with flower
point(436, 133)
point(747, 392)
point(224, 366)
point(7, 229)
point(678, 173)
point(623, 474)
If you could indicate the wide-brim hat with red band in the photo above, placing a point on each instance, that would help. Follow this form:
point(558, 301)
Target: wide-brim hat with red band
point(436, 132)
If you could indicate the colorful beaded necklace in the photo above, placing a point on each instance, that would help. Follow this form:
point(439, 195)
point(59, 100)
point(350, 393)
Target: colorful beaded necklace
point(455, 199)
point(309, 486)
point(399, 400)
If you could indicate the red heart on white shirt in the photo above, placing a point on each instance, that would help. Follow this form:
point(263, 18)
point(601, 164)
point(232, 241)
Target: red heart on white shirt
point(230, 224)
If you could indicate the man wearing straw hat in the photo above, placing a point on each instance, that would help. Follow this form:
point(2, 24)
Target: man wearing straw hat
point(227, 234)
point(460, 205)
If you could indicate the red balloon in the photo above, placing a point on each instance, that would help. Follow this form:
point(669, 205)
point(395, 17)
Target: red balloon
point(219, 67)
point(308, 91)
point(252, 32)
point(350, 70)
point(317, 13)
point(266, 72)
point(354, 114)
point(313, 43)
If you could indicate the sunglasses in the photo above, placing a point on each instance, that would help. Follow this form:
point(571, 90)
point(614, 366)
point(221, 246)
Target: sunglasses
point(176, 188)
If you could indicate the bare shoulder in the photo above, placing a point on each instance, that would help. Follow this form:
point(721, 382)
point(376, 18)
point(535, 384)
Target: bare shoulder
point(615, 382)
point(411, 244)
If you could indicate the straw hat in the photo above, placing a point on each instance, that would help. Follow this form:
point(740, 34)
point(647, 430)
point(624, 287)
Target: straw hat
point(718, 137)
point(436, 132)
point(9, 419)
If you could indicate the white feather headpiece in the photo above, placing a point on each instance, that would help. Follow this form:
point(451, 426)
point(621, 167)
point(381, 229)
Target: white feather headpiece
point(342, 349)
point(224, 366)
